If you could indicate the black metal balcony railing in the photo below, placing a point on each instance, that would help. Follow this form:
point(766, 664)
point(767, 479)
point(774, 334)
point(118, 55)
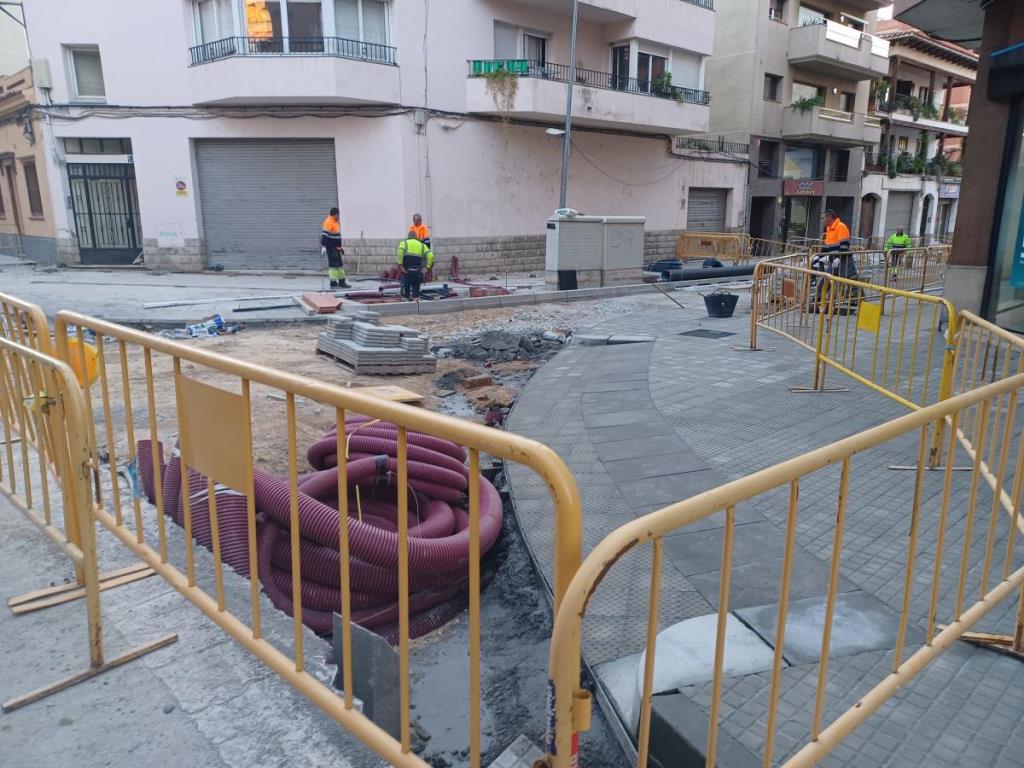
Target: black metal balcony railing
point(709, 4)
point(279, 46)
point(546, 70)
point(712, 145)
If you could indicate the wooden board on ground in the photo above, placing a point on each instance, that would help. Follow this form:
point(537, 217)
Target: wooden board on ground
point(392, 393)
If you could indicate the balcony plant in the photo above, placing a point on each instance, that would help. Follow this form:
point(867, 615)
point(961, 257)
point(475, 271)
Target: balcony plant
point(662, 85)
point(807, 103)
point(503, 86)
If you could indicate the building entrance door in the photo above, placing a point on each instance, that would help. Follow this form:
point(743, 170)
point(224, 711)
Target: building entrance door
point(106, 208)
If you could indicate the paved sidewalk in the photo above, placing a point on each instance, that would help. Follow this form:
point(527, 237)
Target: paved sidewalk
point(643, 425)
point(203, 701)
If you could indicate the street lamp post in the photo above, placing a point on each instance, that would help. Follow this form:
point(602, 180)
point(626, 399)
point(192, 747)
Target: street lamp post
point(567, 136)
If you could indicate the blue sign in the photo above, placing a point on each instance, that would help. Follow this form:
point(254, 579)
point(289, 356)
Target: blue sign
point(1017, 275)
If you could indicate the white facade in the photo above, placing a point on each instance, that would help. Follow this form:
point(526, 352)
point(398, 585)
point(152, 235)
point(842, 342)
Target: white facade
point(411, 132)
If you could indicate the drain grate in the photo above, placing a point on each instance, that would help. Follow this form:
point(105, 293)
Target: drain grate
point(707, 333)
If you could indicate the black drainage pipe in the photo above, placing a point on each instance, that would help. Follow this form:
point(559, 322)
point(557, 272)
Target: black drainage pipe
point(705, 273)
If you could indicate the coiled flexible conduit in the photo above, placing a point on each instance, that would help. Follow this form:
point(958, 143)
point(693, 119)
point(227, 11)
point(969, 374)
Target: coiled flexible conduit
point(438, 526)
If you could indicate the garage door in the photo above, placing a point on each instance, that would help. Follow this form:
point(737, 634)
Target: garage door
point(705, 211)
point(263, 201)
point(898, 212)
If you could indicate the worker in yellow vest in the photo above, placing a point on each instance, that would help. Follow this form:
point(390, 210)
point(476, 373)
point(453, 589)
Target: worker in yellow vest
point(413, 257)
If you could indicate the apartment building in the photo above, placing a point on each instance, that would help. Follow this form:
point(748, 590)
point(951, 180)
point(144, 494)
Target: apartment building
point(26, 210)
point(793, 77)
point(912, 178)
point(202, 132)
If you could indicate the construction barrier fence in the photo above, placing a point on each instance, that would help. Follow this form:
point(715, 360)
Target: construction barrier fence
point(910, 269)
point(213, 441)
point(47, 478)
point(888, 339)
point(959, 566)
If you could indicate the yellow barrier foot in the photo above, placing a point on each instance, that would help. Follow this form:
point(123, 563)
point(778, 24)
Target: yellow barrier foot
point(65, 593)
point(913, 468)
point(753, 349)
point(29, 698)
point(813, 390)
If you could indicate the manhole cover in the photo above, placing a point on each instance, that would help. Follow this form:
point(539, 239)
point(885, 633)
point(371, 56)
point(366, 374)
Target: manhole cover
point(706, 333)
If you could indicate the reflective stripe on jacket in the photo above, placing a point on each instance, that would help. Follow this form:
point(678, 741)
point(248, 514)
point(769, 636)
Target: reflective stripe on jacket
point(412, 254)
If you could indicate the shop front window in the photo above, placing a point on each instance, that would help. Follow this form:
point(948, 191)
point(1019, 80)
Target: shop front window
point(1006, 300)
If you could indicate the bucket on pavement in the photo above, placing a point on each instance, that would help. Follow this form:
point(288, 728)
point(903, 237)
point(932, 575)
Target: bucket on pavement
point(720, 303)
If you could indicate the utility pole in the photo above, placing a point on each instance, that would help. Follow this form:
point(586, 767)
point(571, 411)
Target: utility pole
point(567, 135)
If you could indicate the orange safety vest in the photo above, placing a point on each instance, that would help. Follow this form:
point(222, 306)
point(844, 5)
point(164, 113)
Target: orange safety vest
point(836, 232)
point(420, 231)
point(330, 233)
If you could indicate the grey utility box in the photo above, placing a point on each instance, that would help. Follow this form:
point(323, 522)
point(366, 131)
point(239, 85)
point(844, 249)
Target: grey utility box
point(592, 251)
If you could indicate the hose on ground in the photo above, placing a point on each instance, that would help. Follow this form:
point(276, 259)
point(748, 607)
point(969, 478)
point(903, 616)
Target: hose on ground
point(438, 525)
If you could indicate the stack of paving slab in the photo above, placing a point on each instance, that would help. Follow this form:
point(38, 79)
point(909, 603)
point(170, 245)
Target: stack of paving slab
point(361, 344)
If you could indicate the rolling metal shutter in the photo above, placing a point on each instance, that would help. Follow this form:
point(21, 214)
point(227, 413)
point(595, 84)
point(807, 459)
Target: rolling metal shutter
point(263, 201)
point(898, 212)
point(705, 210)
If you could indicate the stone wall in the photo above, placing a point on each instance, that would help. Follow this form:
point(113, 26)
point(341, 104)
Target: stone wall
point(477, 255)
point(41, 250)
point(661, 244)
point(189, 258)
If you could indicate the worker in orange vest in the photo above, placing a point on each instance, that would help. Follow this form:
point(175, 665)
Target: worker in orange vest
point(330, 245)
point(420, 230)
point(837, 245)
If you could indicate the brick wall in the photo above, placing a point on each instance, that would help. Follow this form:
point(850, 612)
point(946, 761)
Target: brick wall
point(477, 255)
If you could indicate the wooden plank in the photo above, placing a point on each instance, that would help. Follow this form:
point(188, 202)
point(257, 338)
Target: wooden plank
point(28, 597)
point(79, 593)
point(392, 393)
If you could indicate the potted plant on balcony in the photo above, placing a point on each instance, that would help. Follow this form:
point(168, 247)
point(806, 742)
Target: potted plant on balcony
point(662, 85)
point(806, 103)
point(503, 86)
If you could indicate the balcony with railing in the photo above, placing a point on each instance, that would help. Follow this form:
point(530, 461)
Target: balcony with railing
point(830, 126)
point(912, 112)
point(904, 163)
point(281, 70)
point(840, 51)
point(535, 90)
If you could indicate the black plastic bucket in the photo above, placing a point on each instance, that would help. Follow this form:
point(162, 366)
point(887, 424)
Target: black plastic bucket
point(721, 303)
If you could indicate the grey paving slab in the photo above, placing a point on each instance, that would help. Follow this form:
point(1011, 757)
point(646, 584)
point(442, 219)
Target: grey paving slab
point(860, 623)
point(654, 466)
point(759, 582)
point(701, 551)
point(628, 431)
point(648, 415)
point(639, 447)
point(668, 488)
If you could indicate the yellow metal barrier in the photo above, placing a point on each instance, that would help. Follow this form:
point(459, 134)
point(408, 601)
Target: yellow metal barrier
point(50, 477)
point(935, 545)
point(213, 403)
point(885, 338)
point(24, 323)
point(724, 246)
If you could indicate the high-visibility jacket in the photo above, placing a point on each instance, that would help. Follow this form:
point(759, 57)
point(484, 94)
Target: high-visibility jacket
point(837, 235)
point(420, 231)
point(330, 233)
point(413, 254)
point(897, 241)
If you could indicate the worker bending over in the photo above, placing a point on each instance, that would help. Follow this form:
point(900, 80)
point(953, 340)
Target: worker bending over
point(837, 246)
point(897, 243)
point(420, 230)
point(413, 258)
point(330, 244)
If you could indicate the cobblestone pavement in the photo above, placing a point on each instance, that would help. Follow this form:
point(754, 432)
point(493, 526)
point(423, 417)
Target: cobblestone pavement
point(645, 424)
